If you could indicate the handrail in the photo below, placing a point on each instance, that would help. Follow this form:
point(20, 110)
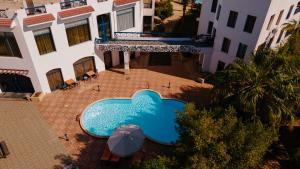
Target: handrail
point(36, 10)
point(154, 34)
point(72, 3)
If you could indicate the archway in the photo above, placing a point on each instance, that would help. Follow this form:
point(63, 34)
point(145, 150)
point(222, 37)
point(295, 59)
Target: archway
point(15, 83)
point(55, 79)
point(84, 65)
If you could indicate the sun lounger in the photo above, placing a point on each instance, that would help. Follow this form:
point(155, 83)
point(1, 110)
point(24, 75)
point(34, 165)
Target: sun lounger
point(106, 154)
point(4, 149)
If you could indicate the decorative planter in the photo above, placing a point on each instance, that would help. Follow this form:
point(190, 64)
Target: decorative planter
point(36, 96)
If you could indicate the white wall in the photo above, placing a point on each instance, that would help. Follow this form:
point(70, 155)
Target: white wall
point(263, 10)
point(65, 55)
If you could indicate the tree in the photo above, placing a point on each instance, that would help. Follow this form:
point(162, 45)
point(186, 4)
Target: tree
point(217, 139)
point(164, 9)
point(160, 162)
point(262, 89)
point(292, 26)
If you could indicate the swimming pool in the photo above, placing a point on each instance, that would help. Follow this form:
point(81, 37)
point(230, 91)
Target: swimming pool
point(146, 108)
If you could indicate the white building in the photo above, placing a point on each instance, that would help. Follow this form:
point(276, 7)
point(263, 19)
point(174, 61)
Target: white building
point(45, 42)
point(240, 27)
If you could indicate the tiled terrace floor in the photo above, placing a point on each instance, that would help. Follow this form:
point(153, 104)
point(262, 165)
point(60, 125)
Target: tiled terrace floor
point(60, 108)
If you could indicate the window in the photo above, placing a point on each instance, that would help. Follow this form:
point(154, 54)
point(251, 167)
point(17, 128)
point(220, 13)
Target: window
point(241, 51)
point(147, 3)
point(232, 19)
point(279, 17)
point(214, 6)
point(297, 8)
point(78, 32)
point(44, 40)
point(289, 13)
point(226, 45)
point(219, 11)
point(221, 66)
point(125, 19)
point(210, 27)
point(280, 36)
point(249, 25)
point(270, 22)
point(8, 45)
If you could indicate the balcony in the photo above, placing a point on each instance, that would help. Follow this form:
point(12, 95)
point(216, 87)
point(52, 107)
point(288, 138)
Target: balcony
point(154, 42)
point(35, 10)
point(3, 14)
point(72, 4)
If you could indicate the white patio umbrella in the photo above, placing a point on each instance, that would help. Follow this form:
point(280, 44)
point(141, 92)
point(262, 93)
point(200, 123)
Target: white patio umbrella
point(126, 140)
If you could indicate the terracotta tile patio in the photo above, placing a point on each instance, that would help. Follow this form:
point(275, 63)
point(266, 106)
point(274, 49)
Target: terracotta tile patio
point(61, 108)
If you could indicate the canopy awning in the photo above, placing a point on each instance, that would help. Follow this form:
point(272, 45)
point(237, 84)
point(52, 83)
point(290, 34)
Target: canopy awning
point(14, 71)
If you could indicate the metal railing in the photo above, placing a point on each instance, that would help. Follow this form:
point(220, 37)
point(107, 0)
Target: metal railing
point(149, 34)
point(3, 13)
point(72, 3)
point(36, 10)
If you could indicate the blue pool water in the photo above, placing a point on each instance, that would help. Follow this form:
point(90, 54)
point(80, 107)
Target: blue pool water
point(155, 116)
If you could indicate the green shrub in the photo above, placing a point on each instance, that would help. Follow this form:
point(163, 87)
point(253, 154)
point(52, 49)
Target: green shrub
point(164, 9)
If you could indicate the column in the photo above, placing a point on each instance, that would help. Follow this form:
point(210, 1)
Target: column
point(126, 61)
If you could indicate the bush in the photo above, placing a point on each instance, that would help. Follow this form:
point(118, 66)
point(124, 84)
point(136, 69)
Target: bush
point(160, 162)
point(164, 9)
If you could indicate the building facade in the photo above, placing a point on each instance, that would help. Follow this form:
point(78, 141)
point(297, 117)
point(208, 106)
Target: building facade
point(44, 43)
point(240, 27)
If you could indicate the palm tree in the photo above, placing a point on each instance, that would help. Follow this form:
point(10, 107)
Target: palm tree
point(263, 89)
point(292, 26)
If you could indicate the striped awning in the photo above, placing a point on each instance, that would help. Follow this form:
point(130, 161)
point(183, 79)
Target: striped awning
point(14, 71)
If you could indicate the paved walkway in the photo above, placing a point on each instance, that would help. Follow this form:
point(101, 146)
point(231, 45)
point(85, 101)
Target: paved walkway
point(30, 140)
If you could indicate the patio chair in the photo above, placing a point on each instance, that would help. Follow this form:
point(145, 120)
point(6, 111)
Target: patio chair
point(106, 154)
point(115, 158)
point(4, 149)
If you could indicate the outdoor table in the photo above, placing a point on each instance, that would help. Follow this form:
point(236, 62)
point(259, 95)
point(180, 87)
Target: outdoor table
point(70, 82)
point(91, 74)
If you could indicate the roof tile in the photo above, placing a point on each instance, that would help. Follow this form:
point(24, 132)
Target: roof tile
point(123, 2)
point(75, 11)
point(37, 19)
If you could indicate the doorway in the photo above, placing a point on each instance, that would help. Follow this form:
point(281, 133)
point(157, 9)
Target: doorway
point(121, 57)
point(55, 79)
point(104, 29)
point(108, 59)
point(84, 65)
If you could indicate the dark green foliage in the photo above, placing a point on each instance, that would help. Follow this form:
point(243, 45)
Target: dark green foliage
point(262, 89)
point(164, 9)
point(217, 139)
point(160, 162)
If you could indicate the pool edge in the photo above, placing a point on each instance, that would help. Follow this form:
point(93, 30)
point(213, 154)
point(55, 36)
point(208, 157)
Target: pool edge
point(105, 137)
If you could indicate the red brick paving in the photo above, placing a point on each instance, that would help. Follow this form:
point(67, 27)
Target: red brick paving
point(60, 108)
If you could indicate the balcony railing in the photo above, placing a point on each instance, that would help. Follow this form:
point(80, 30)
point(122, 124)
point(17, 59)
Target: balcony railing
point(3, 14)
point(36, 10)
point(73, 3)
point(134, 35)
